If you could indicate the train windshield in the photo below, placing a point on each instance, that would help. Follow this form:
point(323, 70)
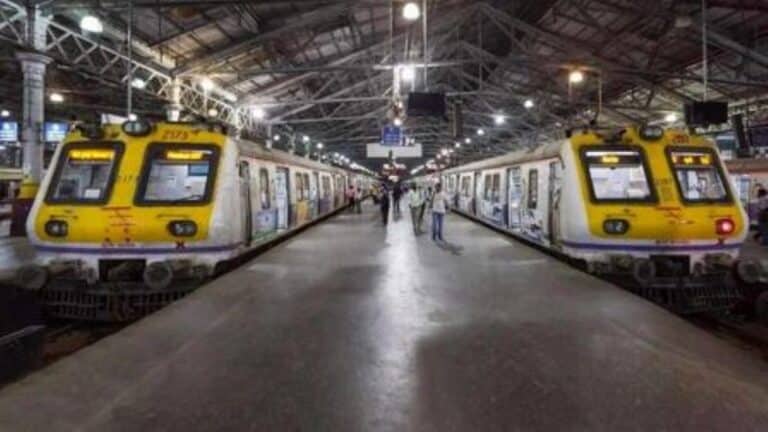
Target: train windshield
point(698, 177)
point(178, 174)
point(618, 175)
point(85, 173)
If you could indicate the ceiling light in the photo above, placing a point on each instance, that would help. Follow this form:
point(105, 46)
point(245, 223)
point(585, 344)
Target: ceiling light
point(5, 113)
point(320, 146)
point(398, 121)
point(528, 103)
point(259, 113)
point(304, 138)
point(576, 77)
point(670, 118)
point(132, 117)
point(480, 132)
point(499, 119)
point(213, 112)
point(91, 24)
point(444, 152)
point(138, 83)
point(468, 140)
point(276, 138)
point(411, 11)
point(56, 98)
point(407, 73)
point(457, 144)
point(206, 84)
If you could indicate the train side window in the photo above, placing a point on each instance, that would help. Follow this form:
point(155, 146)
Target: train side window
point(264, 189)
point(533, 189)
point(299, 187)
point(496, 188)
point(306, 187)
point(326, 187)
point(487, 187)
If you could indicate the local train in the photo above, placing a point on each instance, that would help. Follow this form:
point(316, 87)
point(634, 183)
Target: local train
point(646, 202)
point(130, 217)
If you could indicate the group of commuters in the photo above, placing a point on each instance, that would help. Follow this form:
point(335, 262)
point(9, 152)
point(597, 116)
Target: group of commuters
point(355, 198)
point(419, 201)
point(762, 216)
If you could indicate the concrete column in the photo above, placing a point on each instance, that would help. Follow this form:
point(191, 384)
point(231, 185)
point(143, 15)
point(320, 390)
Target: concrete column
point(33, 67)
point(173, 109)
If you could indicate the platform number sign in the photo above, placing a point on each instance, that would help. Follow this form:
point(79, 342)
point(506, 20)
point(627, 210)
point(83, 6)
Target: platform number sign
point(391, 135)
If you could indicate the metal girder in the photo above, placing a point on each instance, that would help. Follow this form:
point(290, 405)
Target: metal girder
point(97, 59)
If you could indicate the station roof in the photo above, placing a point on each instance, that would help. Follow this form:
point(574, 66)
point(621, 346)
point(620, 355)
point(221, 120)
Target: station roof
point(325, 68)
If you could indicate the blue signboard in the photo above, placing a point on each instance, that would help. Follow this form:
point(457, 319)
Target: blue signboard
point(55, 132)
point(391, 136)
point(9, 132)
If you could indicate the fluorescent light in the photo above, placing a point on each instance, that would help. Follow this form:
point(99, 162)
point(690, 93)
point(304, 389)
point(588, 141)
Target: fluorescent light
point(320, 146)
point(499, 119)
point(457, 144)
point(398, 121)
point(411, 11)
point(276, 138)
point(481, 132)
point(56, 98)
point(407, 73)
point(206, 84)
point(528, 103)
point(5, 113)
point(138, 83)
point(670, 118)
point(444, 152)
point(576, 77)
point(213, 112)
point(259, 113)
point(305, 138)
point(91, 24)
point(468, 140)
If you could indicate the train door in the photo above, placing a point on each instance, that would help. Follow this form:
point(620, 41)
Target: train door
point(282, 197)
point(245, 199)
point(514, 196)
point(554, 202)
point(476, 194)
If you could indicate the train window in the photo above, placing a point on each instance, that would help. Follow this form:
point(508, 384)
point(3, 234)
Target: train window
point(326, 187)
point(496, 188)
point(487, 188)
point(466, 186)
point(533, 189)
point(178, 174)
point(299, 187)
point(85, 174)
point(618, 175)
point(699, 178)
point(264, 189)
point(306, 187)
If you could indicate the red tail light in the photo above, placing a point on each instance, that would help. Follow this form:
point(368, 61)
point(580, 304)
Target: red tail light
point(724, 226)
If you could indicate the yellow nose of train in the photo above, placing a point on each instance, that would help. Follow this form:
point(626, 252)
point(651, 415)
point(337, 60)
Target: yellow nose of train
point(124, 186)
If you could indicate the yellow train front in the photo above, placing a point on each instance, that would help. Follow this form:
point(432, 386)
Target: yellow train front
point(131, 217)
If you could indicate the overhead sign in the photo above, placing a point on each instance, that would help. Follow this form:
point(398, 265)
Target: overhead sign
point(382, 151)
point(391, 136)
point(9, 132)
point(55, 132)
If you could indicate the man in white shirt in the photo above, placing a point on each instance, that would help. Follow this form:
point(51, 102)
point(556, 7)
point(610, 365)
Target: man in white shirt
point(416, 204)
point(439, 207)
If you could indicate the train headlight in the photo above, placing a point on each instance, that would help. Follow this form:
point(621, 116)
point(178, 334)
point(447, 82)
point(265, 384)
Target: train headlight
point(182, 228)
point(651, 133)
point(724, 226)
point(137, 128)
point(615, 226)
point(56, 228)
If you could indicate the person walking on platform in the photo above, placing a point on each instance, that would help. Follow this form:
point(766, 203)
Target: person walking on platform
point(359, 200)
point(397, 193)
point(762, 217)
point(416, 204)
point(351, 198)
point(384, 204)
point(439, 207)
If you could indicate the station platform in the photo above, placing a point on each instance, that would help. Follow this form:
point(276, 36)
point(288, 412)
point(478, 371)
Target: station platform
point(14, 252)
point(351, 326)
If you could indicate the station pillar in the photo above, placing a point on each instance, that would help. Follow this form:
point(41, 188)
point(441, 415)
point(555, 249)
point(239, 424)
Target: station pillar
point(173, 108)
point(33, 66)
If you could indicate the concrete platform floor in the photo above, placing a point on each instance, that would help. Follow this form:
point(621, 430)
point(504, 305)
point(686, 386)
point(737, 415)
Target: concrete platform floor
point(353, 327)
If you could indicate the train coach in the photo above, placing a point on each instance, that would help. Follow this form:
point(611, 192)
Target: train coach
point(646, 202)
point(133, 216)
